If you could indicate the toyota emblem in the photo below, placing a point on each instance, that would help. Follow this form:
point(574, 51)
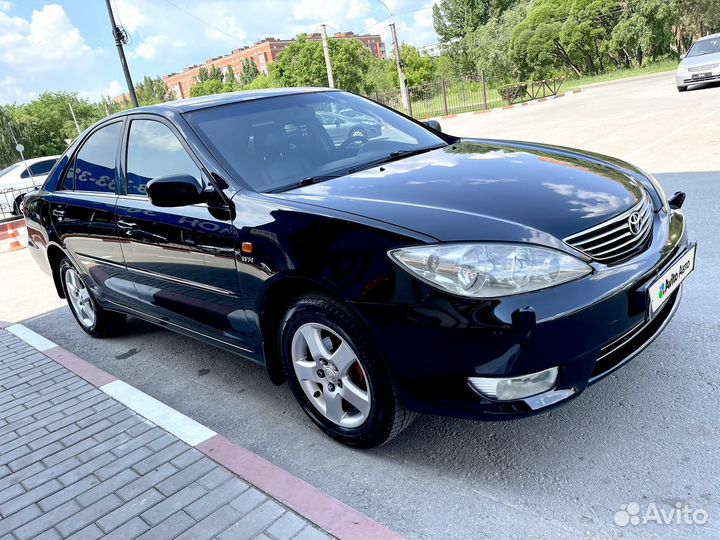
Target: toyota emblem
point(634, 223)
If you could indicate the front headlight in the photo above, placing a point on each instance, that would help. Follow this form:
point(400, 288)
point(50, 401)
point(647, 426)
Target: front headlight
point(489, 270)
point(658, 189)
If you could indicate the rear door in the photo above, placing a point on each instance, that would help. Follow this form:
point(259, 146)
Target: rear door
point(182, 260)
point(82, 211)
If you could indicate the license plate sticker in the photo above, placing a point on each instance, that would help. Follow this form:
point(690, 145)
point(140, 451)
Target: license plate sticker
point(669, 282)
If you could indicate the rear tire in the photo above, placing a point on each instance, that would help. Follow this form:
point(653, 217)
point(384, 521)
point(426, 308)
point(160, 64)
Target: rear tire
point(354, 400)
point(18, 205)
point(93, 319)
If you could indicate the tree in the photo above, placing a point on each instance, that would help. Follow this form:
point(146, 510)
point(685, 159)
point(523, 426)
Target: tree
point(693, 19)
point(249, 72)
point(206, 87)
point(8, 126)
point(455, 20)
point(570, 34)
point(229, 77)
point(152, 90)
point(490, 45)
point(418, 69)
point(212, 74)
point(262, 81)
point(43, 125)
point(302, 64)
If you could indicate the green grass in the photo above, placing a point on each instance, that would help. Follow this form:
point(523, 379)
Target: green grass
point(463, 96)
point(648, 69)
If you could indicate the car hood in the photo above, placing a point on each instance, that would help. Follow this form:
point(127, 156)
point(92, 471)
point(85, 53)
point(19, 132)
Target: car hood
point(711, 60)
point(484, 190)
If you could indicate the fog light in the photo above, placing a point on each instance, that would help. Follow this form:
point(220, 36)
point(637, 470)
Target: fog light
point(506, 389)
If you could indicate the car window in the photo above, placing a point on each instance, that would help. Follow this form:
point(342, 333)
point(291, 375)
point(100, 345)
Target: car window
point(705, 46)
point(154, 150)
point(42, 167)
point(95, 162)
point(277, 142)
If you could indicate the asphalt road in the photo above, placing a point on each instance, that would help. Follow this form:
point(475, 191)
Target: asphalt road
point(647, 434)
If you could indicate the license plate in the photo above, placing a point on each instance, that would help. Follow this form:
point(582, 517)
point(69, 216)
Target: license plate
point(669, 282)
point(699, 75)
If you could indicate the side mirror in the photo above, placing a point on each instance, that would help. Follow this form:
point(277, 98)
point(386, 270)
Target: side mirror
point(433, 124)
point(174, 190)
point(677, 200)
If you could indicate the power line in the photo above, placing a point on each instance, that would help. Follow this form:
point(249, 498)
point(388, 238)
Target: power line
point(190, 14)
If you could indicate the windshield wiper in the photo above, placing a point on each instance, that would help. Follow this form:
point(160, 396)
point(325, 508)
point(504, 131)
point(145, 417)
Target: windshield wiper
point(394, 156)
point(310, 180)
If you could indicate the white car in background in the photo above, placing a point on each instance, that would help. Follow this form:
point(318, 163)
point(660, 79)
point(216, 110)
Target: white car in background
point(19, 178)
point(701, 64)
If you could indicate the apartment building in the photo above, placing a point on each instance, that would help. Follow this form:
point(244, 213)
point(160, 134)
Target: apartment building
point(263, 52)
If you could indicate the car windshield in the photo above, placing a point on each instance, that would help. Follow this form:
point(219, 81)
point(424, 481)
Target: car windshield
point(706, 46)
point(280, 142)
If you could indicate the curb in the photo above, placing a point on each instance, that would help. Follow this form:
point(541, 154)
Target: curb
point(325, 511)
point(505, 108)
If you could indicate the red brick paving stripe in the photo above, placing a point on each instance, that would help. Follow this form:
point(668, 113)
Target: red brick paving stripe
point(92, 374)
point(328, 513)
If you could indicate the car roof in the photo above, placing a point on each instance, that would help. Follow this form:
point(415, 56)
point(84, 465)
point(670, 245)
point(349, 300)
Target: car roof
point(30, 161)
point(202, 102)
point(711, 36)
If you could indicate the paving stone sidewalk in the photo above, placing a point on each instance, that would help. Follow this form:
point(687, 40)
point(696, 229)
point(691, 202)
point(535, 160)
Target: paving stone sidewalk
point(75, 463)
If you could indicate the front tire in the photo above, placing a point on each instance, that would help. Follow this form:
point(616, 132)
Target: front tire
point(682, 88)
point(93, 319)
point(336, 375)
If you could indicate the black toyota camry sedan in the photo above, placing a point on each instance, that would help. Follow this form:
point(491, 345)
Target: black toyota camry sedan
point(381, 276)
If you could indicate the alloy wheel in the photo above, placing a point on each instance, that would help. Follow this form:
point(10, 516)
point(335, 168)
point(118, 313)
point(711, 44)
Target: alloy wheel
point(79, 298)
point(331, 375)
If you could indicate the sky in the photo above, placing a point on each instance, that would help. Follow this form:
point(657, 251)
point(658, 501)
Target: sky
point(67, 44)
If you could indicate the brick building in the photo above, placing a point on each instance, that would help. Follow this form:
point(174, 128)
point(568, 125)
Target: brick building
point(263, 53)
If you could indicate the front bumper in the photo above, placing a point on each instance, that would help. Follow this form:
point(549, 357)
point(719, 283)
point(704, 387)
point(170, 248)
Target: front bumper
point(588, 328)
point(686, 78)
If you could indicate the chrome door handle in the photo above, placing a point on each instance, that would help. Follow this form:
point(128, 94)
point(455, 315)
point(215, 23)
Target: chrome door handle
point(126, 225)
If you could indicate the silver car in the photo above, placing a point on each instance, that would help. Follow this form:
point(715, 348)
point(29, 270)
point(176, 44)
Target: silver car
point(701, 64)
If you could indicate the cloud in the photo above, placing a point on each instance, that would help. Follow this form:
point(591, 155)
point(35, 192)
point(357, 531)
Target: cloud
point(114, 89)
point(47, 42)
point(12, 92)
point(5, 6)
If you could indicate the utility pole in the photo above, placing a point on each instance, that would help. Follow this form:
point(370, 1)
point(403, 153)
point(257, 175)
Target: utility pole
point(401, 75)
point(326, 52)
point(120, 38)
point(77, 126)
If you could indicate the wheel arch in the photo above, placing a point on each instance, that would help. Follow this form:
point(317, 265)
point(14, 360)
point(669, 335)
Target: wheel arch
point(55, 254)
point(274, 303)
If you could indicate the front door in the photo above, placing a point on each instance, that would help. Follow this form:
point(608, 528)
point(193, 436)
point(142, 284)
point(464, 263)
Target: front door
point(182, 260)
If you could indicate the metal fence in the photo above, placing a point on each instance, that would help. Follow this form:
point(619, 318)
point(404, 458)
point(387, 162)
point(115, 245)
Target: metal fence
point(464, 95)
point(11, 202)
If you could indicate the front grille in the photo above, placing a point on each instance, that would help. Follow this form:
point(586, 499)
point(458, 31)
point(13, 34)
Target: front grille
point(706, 67)
point(615, 240)
point(707, 78)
